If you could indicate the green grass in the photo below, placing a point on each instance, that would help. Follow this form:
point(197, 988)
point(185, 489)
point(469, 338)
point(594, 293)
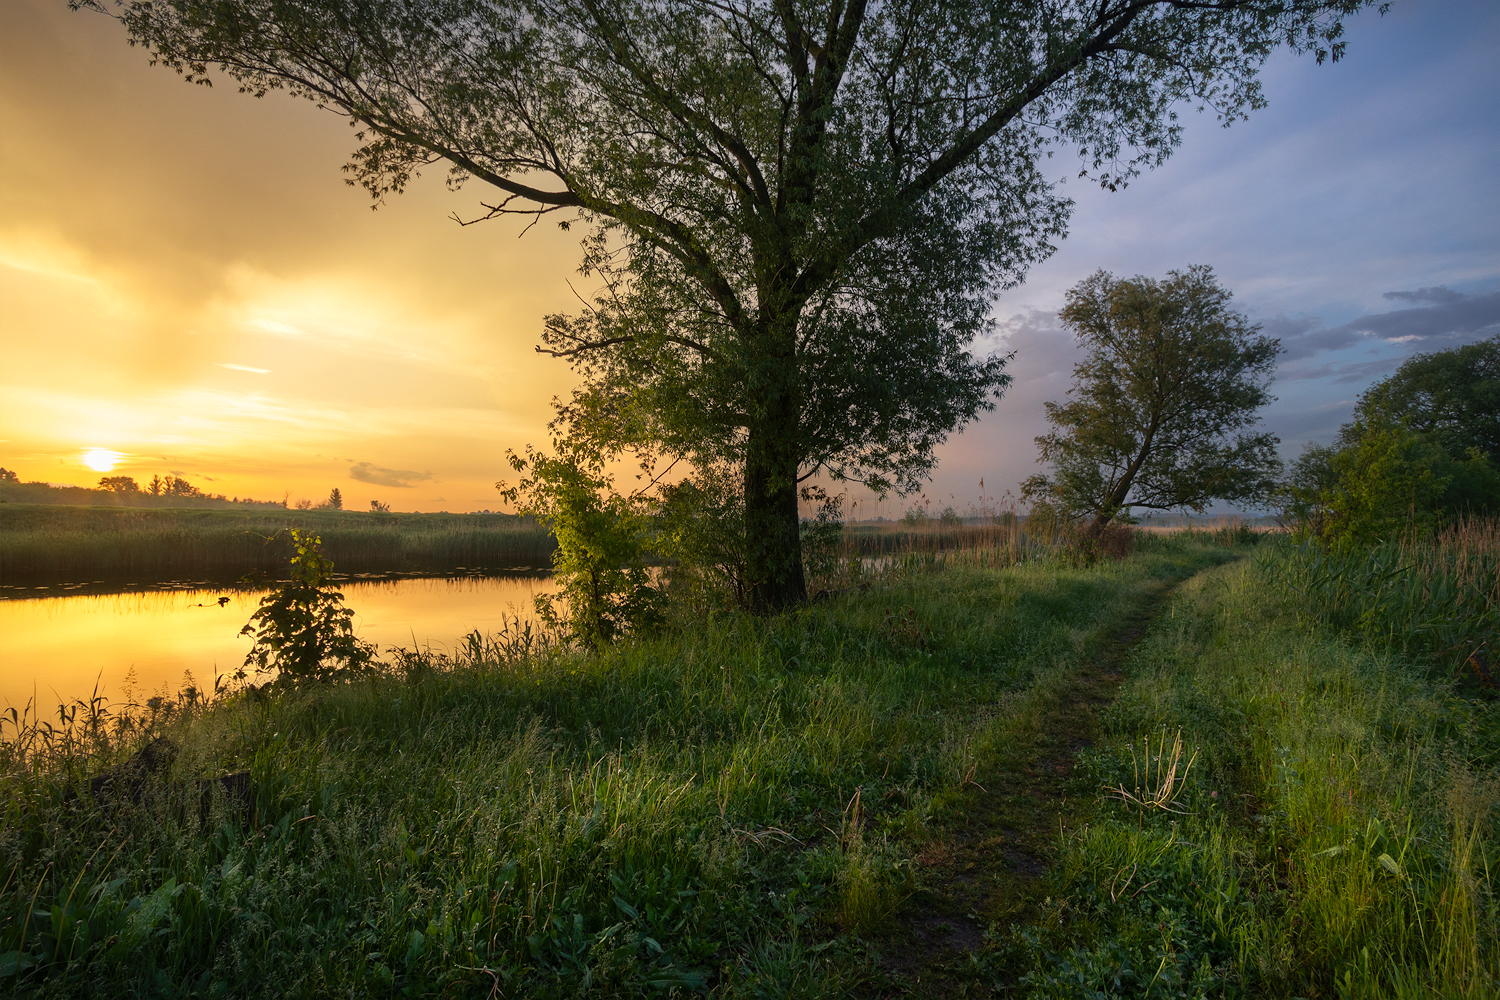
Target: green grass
point(51, 543)
point(729, 807)
point(1338, 839)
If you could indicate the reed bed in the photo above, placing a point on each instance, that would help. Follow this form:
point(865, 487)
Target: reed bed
point(1434, 596)
point(52, 544)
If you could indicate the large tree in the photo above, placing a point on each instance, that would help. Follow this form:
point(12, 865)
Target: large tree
point(1162, 401)
point(800, 209)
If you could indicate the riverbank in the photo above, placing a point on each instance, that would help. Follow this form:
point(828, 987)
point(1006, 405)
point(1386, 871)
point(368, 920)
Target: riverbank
point(48, 544)
point(729, 805)
point(774, 807)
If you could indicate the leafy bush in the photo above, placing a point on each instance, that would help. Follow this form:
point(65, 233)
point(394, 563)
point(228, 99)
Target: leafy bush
point(303, 633)
point(601, 556)
point(823, 538)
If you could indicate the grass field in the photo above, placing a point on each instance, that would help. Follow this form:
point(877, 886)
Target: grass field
point(779, 807)
point(52, 543)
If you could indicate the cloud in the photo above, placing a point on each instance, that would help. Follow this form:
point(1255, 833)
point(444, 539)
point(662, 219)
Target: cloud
point(243, 368)
point(1441, 295)
point(1441, 318)
point(365, 472)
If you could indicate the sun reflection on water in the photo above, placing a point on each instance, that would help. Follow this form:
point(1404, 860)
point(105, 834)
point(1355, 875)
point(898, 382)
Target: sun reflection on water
point(53, 649)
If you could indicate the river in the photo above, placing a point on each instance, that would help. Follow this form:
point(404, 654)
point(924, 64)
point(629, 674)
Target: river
point(55, 648)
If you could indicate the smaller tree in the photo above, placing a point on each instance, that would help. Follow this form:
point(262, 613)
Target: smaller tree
point(119, 484)
point(303, 632)
point(601, 557)
point(376, 507)
point(1161, 404)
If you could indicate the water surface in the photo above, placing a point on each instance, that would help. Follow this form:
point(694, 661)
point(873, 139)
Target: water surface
point(54, 648)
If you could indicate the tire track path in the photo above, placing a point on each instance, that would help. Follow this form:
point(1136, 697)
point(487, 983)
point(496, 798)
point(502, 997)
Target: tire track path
point(987, 865)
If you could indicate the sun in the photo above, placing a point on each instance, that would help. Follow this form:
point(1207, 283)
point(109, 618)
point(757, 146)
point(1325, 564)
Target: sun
point(101, 459)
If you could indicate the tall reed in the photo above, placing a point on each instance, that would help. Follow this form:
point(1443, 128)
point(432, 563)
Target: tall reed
point(1434, 596)
point(58, 544)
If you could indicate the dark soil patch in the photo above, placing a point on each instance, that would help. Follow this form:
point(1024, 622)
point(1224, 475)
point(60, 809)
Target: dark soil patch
point(987, 866)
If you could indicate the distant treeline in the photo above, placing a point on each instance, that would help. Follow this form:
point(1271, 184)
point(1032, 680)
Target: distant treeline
point(122, 491)
point(46, 544)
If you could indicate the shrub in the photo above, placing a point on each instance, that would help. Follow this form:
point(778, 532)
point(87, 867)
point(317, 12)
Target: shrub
point(601, 555)
point(303, 633)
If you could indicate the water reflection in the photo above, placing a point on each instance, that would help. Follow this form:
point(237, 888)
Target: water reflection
point(54, 648)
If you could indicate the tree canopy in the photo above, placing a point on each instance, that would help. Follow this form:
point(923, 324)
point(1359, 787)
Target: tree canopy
point(1423, 448)
point(799, 210)
point(1454, 395)
point(1160, 406)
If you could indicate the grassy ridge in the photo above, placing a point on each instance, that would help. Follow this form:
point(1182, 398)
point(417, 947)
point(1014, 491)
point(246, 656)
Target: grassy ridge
point(726, 807)
point(40, 544)
point(1337, 838)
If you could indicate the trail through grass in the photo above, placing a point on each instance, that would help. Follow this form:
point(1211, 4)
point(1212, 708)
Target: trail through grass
point(1337, 833)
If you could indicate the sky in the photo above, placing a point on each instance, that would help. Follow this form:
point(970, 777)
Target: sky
point(189, 287)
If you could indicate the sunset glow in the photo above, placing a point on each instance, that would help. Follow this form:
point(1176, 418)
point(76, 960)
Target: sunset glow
point(101, 459)
point(229, 311)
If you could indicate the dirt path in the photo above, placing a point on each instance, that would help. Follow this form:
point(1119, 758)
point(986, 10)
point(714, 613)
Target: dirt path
point(987, 866)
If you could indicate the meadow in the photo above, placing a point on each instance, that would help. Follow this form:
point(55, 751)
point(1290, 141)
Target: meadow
point(42, 544)
point(903, 788)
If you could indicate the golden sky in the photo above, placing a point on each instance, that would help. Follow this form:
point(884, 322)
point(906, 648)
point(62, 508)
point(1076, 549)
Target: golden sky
point(186, 279)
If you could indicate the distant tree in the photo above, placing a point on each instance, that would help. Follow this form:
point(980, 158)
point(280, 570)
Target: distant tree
point(7, 476)
point(799, 212)
point(119, 484)
point(303, 504)
point(335, 499)
point(176, 486)
point(1308, 488)
point(1453, 395)
point(156, 486)
point(1393, 479)
point(379, 508)
point(1160, 405)
point(1420, 450)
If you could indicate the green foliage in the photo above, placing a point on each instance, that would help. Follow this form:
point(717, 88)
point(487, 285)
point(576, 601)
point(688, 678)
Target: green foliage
point(601, 558)
point(1159, 407)
point(1419, 453)
point(1453, 396)
point(797, 231)
point(823, 537)
point(1393, 479)
point(699, 524)
point(303, 633)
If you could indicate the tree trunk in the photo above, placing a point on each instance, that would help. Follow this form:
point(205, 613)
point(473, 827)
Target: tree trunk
point(773, 549)
point(773, 542)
